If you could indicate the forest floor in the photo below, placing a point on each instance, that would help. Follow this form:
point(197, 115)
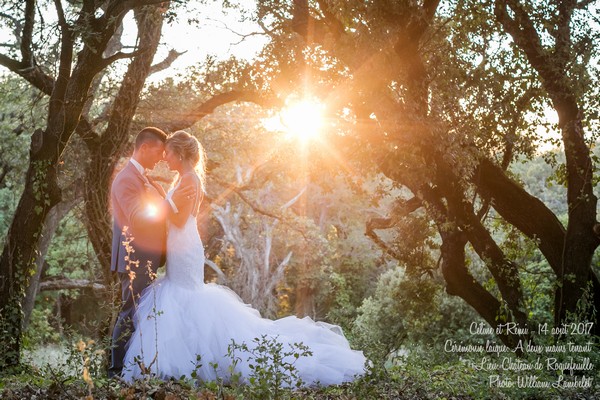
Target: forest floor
point(61, 372)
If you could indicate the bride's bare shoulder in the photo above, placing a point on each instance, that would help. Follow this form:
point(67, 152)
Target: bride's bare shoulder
point(190, 179)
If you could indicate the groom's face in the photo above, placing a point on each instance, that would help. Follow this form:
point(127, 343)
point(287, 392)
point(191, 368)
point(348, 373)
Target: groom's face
point(154, 152)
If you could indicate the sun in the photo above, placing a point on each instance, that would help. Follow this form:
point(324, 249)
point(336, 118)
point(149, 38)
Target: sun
point(301, 119)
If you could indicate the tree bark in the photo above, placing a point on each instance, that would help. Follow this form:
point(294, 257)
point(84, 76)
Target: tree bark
point(68, 97)
point(20, 252)
point(576, 279)
point(106, 149)
point(66, 284)
point(526, 213)
point(460, 282)
point(53, 218)
point(457, 225)
point(410, 122)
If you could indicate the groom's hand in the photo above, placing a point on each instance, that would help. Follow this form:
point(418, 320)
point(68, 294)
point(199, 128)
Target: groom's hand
point(152, 185)
point(183, 195)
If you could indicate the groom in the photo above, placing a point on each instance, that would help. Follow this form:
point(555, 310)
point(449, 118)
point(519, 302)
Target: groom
point(139, 232)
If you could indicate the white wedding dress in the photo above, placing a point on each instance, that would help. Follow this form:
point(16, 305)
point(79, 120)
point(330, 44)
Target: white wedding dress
point(179, 318)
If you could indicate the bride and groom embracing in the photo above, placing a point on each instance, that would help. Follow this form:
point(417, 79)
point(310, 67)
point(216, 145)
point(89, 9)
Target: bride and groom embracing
point(177, 325)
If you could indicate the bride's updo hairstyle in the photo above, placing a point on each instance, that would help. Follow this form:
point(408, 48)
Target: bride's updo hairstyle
point(190, 151)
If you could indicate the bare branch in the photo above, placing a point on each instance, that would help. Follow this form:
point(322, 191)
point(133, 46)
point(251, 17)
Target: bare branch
point(335, 25)
point(32, 74)
point(10, 63)
point(230, 188)
point(60, 12)
point(383, 245)
point(166, 63)
point(118, 56)
point(404, 208)
point(243, 36)
point(215, 268)
point(18, 26)
point(255, 277)
point(266, 30)
point(254, 206)
point(522, 30)
point(26, 39)
point(401, 210)
point(294, 199)
point(584, 4)
point(66, 283)
point(205, 108)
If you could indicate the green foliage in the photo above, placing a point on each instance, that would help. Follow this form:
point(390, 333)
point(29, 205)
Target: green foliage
point(422, 372)
point(483, 92)
point(399, 310)
point(40, 330)
point(71, 254)
point(22, 113)
point(272, 364)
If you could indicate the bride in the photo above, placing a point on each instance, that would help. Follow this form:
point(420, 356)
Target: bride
point(184, 327)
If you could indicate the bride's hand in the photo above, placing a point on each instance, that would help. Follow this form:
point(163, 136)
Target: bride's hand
point(154, 186)
point(183, 195)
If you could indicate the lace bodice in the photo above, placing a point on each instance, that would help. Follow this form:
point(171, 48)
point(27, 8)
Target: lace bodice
point(185, 253)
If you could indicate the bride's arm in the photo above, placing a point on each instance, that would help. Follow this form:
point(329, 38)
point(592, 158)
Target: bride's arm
point(184, 203)
point(168, 205)
point(159, 189)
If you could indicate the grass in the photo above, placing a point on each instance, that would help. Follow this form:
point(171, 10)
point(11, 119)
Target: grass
point(56, 372)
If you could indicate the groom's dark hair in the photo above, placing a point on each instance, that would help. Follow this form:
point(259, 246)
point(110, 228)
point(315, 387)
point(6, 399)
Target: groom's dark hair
point(149, 134)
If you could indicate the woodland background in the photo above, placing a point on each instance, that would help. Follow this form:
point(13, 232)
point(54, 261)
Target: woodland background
point(453, 181)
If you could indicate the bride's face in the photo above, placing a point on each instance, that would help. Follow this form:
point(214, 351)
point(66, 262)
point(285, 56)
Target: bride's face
point(172, 158)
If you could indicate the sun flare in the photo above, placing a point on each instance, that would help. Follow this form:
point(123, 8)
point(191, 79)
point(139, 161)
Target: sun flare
point(151, 210)
point(302, 119)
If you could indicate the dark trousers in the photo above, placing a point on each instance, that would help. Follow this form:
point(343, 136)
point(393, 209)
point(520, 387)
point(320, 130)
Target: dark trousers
point(130, 295)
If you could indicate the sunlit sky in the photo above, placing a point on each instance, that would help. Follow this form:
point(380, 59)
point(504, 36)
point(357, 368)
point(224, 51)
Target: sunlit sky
point(218, 33)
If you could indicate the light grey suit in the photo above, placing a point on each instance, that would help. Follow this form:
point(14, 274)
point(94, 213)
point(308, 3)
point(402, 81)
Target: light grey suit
point(146, 233)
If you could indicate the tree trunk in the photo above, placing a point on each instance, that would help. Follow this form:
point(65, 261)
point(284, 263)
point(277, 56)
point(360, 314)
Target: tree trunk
point(526, 213)
point(411, 122)
point(576, 283)
point(305, 302)
point(536, 221)
point(108, 148)
point(20, 251)
point(460, 282)
point(41, 193)
point(458, 225)
point(69, 94)
point(576, 280)
point(54, 217)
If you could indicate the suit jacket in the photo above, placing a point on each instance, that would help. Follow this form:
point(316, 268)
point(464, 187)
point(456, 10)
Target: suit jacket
point(144, 227)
